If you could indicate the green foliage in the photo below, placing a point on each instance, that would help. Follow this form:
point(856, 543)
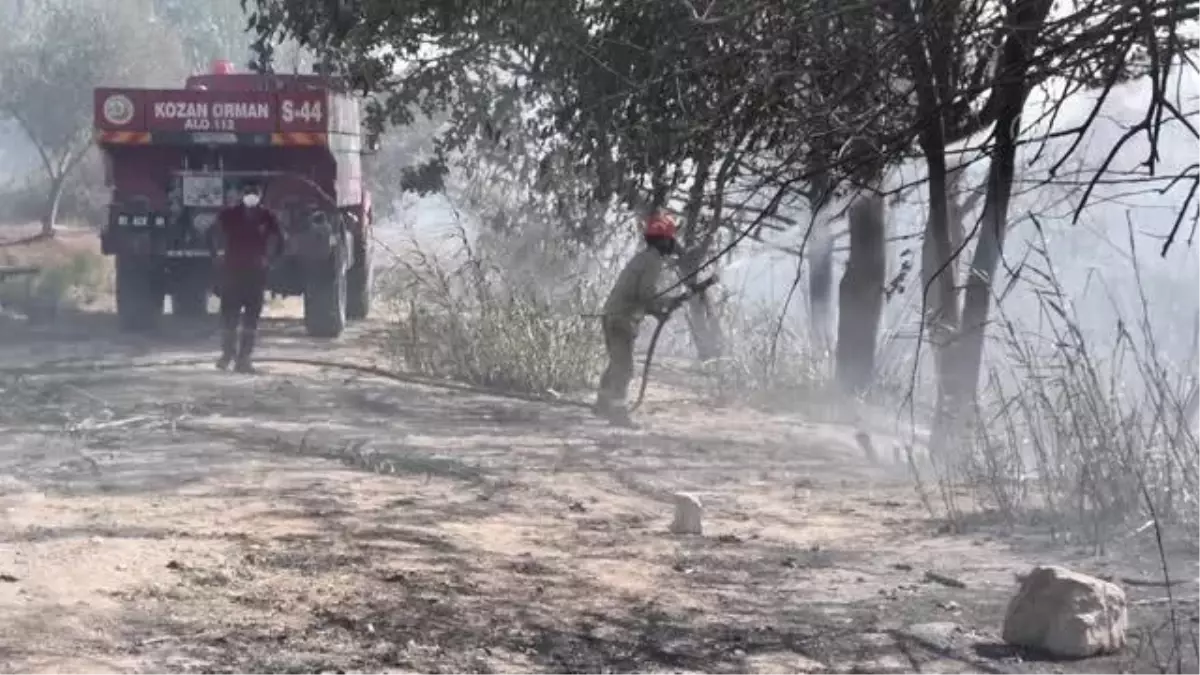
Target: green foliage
point(634, 88)
point(620, 93)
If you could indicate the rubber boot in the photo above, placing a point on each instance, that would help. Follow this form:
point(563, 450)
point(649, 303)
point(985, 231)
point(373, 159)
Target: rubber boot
point(245, 350)
point(228, 347)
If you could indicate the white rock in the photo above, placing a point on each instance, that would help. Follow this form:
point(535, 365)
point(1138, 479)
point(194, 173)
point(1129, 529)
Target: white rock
point(1066, 614)
point(688, 512)
point(782, 661)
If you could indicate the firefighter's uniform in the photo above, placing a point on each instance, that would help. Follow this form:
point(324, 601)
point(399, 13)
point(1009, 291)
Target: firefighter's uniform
point(634, 295)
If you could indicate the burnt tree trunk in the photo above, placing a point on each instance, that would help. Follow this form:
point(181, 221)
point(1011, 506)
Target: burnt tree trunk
point(941, 265)
point(940, 287)
point(860, 296)
point(928, 44)
point(820, 268)
point(1011, 90)
point(706, 330)
point(959, 203)
point(957, 208)
point(820, 289)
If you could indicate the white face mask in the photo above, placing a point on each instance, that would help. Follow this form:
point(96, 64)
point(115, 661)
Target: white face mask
point(250, 200)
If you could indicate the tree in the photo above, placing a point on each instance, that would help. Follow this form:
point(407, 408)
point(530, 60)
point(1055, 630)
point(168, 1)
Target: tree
point(847, 80)
point(46, 82)
point(1011, 89)
point(820, 269)
point(964, 86)
point(861, 292)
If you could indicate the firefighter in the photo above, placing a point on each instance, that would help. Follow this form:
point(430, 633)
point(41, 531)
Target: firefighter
point(634, 295)
point(252, 237)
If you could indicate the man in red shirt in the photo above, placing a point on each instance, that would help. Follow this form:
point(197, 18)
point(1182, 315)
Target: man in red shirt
point(251, 236)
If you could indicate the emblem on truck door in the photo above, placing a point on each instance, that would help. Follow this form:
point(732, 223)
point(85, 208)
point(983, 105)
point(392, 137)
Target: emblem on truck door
point(118, 109)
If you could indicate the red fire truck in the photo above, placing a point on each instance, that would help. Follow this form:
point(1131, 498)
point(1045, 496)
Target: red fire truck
point(174, 157)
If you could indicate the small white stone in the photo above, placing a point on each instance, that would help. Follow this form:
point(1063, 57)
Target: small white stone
point(688, 513)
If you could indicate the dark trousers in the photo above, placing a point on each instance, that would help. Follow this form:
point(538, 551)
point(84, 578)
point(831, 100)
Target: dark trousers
point(619, 336)
point(242, 294)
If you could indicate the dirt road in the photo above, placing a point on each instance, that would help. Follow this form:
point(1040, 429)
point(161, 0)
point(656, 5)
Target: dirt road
point(306, 520)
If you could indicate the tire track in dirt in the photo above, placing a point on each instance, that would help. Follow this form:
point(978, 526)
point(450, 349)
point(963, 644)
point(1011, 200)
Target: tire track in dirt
point(308, 520)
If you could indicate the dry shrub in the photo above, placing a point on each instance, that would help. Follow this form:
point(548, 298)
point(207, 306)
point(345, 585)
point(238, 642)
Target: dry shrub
point(76, 281)
point(773, 364)
point(1094, 445)
point(477, 316)
point(770, 364)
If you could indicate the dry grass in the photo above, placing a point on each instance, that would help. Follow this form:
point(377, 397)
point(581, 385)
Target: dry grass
point(1094, 444)
point(775, 366)
point(473, 316)
point(771, 365)
point(71, 274)
point(1091, 445)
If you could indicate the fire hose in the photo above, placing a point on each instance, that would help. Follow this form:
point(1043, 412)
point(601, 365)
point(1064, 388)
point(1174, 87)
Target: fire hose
point(696, 289)
point(69, 366)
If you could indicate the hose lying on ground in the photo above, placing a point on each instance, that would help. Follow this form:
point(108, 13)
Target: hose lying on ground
point(70, 366)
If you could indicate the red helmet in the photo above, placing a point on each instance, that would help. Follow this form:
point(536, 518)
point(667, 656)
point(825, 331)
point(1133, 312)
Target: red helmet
point(661, 226)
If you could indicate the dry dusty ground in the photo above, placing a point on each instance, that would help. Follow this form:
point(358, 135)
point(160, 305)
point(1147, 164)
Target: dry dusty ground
point(304, 520)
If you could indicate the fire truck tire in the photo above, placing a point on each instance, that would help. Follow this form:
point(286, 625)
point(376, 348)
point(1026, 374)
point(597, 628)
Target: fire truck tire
point(325, 302)
point(359, 279)
point(140, 297)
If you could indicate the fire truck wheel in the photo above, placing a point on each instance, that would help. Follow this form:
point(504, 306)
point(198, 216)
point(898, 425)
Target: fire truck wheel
point(325, 302)
point(359, 282)
point(139, 294)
